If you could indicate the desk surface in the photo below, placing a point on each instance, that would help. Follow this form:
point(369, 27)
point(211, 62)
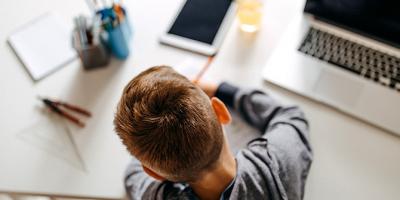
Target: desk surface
point(353, 160)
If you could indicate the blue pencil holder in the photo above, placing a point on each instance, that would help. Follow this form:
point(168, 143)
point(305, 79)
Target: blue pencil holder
point(118, 39)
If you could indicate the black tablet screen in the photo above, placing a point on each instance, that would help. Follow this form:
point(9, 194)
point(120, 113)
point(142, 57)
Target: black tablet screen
point(200, 19)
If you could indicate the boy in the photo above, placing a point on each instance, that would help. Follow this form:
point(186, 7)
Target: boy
point(174, 131)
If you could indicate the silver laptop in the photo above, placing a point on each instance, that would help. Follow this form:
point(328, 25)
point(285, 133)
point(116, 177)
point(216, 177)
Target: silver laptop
point(345, 53)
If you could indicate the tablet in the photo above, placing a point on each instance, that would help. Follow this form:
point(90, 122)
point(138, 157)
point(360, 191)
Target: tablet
point(200, 25)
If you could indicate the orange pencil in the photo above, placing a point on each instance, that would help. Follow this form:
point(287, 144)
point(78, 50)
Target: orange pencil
point(203, 70)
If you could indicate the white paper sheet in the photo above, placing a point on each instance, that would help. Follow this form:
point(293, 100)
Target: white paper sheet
point(188, 68)
point(43, 45)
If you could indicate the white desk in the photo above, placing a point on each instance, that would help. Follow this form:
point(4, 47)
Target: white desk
point(353, 160)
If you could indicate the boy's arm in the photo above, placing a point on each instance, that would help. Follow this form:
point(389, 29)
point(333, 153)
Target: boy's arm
point(284, 134)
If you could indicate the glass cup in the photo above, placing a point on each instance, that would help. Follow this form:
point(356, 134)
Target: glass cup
point(250, 15)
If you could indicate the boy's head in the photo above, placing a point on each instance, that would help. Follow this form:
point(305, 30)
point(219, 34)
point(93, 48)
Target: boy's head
point(169, 124)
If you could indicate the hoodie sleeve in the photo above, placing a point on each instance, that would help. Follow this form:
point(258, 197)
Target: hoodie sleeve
point(284, 137)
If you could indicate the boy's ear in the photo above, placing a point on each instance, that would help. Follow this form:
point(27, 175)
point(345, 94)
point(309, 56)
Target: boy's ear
point(153, 174)
point(221, 111)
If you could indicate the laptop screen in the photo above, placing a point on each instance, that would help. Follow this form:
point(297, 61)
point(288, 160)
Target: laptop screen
point(378, 19)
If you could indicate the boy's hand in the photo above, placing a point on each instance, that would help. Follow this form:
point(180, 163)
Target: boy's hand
point(209, 88)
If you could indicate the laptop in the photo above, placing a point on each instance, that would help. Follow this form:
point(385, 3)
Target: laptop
point(344, 53)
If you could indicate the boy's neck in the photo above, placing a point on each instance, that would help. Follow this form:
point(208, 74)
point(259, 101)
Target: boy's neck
point(214, 183)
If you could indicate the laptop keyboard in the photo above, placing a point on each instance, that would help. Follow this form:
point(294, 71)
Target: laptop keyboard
point(371, 64)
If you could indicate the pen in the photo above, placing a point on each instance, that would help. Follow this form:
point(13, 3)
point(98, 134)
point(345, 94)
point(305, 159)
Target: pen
point(78, 30)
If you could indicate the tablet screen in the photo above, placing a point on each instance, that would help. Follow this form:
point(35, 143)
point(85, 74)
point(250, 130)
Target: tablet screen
point(200, 19)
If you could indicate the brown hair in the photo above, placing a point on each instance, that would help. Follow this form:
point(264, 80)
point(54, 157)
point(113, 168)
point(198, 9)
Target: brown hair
point(168, 123)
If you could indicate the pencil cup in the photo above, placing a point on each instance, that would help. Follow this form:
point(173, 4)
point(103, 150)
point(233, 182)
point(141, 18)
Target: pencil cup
point(93, 55)
point(119, 39)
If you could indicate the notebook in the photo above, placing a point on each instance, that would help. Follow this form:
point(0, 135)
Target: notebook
point(43, 45)
point(190, 69)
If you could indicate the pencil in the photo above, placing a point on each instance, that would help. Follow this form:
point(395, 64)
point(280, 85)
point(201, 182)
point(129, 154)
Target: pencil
point(203, 70)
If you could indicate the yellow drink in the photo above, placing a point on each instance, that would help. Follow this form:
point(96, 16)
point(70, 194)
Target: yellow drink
point(250, 14)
